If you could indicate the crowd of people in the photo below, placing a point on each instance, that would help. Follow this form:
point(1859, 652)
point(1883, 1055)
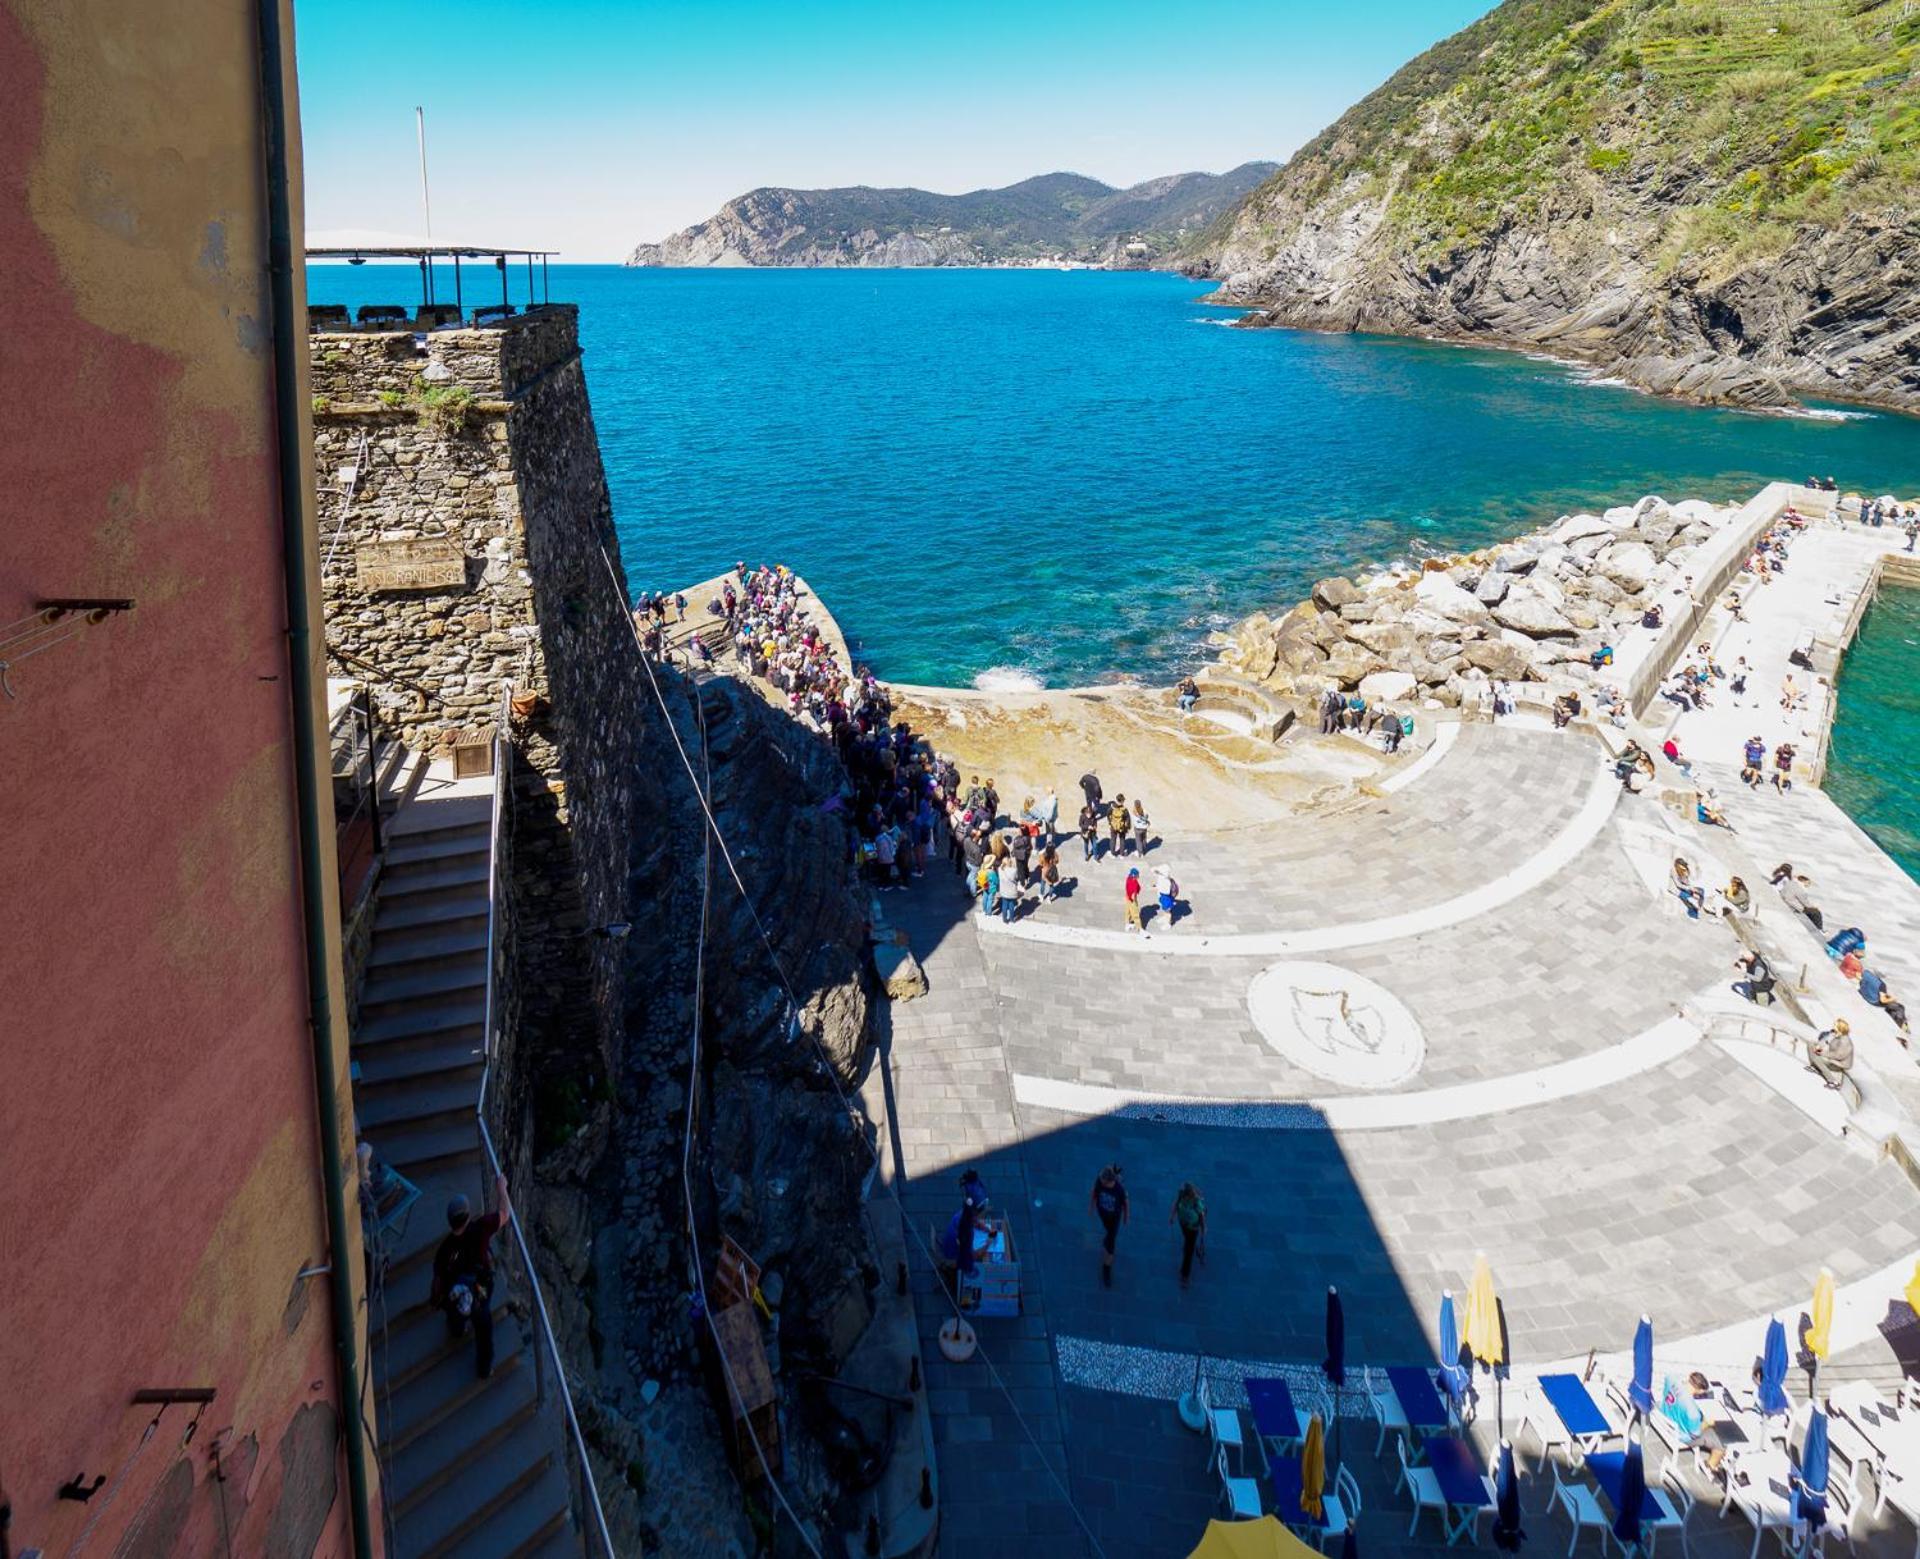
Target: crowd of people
point(1344, 711)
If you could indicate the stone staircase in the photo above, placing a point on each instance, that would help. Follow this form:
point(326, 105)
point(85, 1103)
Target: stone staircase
point(470, 1467)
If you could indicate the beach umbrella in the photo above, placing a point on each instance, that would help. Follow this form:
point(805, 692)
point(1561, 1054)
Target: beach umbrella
point(1507, 1536)
point(1454, 1375)
point(1633, 1495)
point(1810, 1498)
point(1313, 1469)
point(1913, 1288)
point(1772, 1395)
point(1335, 1363)
point(1640, 1392)
point(1262, 1539)
point(1820, 1334)
point(1483, 1316)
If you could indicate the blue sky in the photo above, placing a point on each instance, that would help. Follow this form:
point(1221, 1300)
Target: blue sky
point(590, 125)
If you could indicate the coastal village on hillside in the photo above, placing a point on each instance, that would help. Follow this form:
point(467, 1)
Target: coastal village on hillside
point(528, 1034)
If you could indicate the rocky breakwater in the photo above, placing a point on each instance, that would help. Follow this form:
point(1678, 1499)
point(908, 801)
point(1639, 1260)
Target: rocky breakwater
point(1532, 610)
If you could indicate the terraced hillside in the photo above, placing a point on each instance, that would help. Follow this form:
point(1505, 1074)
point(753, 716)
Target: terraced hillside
point(1712, 197)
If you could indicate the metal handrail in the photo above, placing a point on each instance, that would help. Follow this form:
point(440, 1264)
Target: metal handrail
point(425, 695)
point(502, 748)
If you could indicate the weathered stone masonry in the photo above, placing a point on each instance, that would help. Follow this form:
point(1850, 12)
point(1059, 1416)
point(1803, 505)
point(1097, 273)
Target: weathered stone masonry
point(506, 467)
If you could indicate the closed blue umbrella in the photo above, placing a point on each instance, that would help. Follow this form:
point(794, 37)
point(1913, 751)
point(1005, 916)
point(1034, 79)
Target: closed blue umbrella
point(1507, 1536)
point(1640, 1393)
point(1456, 1377)
point(1633, 1496)
point(1812, 1494)
point(1335, 1363)
point(1772, 1395)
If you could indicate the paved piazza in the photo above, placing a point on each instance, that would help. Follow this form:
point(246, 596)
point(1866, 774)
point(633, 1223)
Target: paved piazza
point(1526, 1065)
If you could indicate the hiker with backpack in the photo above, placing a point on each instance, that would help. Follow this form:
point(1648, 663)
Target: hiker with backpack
point(1166, 890)
point(1119, 825)
point(1190, 1214)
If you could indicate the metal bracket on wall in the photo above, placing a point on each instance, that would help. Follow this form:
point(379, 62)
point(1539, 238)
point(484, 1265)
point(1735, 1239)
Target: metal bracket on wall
point(48, 625)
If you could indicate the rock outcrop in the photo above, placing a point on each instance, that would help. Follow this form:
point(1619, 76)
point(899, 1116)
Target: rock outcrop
point(1677, 194)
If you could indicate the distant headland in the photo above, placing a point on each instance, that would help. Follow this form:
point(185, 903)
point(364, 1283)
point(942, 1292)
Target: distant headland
point(1055, 219)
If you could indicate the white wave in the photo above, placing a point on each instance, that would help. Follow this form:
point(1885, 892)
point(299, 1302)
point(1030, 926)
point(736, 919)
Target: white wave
point(1205, 321)
point(1008, 679)
point(1820, 414)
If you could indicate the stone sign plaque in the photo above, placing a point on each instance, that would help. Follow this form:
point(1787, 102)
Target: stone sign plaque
point(436, 563)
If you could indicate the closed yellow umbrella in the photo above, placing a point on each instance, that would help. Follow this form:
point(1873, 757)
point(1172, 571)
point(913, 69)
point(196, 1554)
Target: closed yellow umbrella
point(1820, 1334)
point(1262, 1539)
point(1913, 1288)
point(1313, 1468)
point(1483, 1316)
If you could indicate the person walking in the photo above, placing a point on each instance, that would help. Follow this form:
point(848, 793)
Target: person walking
point(463, 1272)
point(1119, 825)
point(1050, 815)
point(1190, 1215)
point(1141, 824)
point(1090, 787)
point(1165, 890)
point(1108, 1203)
point(1090, 829)
point(1132, 891)
point(1022, 851)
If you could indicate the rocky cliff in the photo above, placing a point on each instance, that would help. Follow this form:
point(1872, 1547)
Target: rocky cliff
point(1712, 198)
point(1057, 214)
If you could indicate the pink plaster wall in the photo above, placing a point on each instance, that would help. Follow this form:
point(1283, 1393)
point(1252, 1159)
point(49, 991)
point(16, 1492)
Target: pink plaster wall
point(159, 1167)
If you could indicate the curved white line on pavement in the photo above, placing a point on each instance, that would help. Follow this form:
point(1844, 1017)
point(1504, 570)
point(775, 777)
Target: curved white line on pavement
point(1664, 1042)
point(1529, 874)
point(1443, 739)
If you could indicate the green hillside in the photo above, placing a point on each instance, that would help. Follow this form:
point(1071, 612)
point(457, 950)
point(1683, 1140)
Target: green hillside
point(1741, 118)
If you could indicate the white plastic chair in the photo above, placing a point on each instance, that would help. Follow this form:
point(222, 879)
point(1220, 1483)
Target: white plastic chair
point(1582, 1509)
point(1341, 1504)
point(1241, 1496)
point(1424, 1484)
point(1223, 1428)
point(1389, 1415)
point(1537, 1414)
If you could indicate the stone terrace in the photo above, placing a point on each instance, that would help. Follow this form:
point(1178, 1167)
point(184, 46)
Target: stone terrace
point(1574, 1116)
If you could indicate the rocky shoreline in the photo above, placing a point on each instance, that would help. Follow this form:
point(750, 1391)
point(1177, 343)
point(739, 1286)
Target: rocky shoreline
point(1532, 610)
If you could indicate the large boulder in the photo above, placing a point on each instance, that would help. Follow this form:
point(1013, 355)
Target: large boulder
point(1326, 630)
point(1587, 546)
point(1575, 526)
point(1650, 507)
point(1532, 611)
point(1492, 589)
point(1629, 564)
point(1697, 511)
point(1298, 655)
point(1387, 686)
point(1388, 639)
point(1332, 594)
point(1439, 594)
point(1365, 610)
point(1515, 560)
point(1347, 663)
point(1497, 658)
point(900, 973)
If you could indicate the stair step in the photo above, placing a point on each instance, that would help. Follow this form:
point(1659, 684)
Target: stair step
point(405, 862)
point(432, 1461)
point(429, 1101)
point(565, 1545)
point(437, 939)
point(424, 1403)
point(410, 914)
point(418, 1341)
point(384, 1070)
point(478, 1491)
point(435, 977)
point(533, 1517)
point(443, 814)
point(411, 1149)
point(450, 1020)
point(455, 878)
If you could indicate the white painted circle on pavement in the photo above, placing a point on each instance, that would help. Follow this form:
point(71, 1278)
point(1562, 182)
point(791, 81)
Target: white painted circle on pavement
point(1336, 1024)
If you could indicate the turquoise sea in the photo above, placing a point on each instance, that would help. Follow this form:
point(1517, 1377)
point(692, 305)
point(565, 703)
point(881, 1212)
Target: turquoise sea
point(1069, 476)
point(1872, 770)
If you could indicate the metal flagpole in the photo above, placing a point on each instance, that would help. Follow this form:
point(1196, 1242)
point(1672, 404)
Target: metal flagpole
point(426, 204)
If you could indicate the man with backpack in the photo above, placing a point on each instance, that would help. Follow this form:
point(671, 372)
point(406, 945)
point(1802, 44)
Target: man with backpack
point(1190, 1214)
point(463, 1272)
point(1119, 825)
